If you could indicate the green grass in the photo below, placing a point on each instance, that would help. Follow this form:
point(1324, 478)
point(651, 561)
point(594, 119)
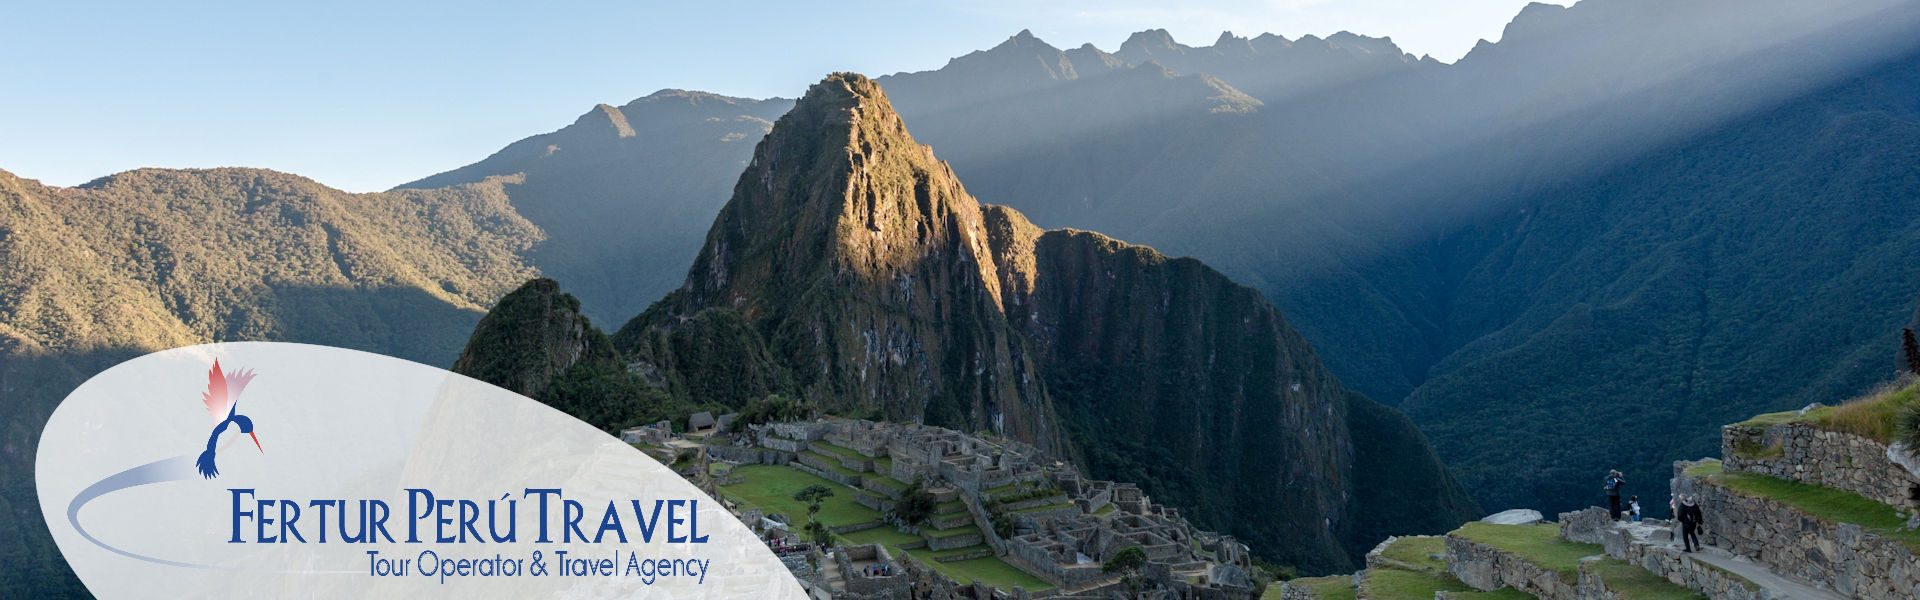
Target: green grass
point(1827, 504)
point(770, 488)
point(951, 552)
point(1105, 509)
point(1539, 544)
point(996, 492)
point(1046, 507)
point(883, 535)
point(947, 533)
point(1872, 416)
point(885, 482)
point(1426, 552)
point(883, 464)
point(1499, 594)
point(833, 464)
point(949, 507)
point(991, 571)
point(1331, 587)
point(840, 450)
point(1396, 584)
point(1634, 583)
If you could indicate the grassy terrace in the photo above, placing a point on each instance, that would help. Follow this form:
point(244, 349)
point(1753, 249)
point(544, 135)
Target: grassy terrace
point(885, 536)
point(885, 482)
point(840, 450)
point(993, 571)
point(1332, 587)
point(770, 488)
point(1046, 507)
point(1539, 543)
point(1871, 416)
point(1827, 504)
point(947, 533)
point(1395, 584)
point(1630, 581)
point(949, 507)
point(1426, 553)
point(1424, 574)
point(833, 464)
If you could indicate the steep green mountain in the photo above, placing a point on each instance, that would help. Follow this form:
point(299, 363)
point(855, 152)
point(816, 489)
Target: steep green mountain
point(153, 259)
point(624, 192)
point(1761, 266)
point(851, 269)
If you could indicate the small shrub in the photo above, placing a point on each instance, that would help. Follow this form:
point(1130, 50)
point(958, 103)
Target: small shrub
point(1909, 426)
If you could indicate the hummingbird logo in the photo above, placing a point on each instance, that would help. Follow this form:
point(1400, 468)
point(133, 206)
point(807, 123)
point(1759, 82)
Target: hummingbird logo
point(222, 399)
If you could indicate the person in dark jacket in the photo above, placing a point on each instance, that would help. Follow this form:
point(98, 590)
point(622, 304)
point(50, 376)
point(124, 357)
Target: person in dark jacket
point(1615, 481)
point(1690, 522)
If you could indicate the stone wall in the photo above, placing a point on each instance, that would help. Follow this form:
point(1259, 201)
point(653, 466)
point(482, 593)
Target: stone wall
point(1839, 556)
point(1289, 591)
point(749, 455)
point(1807, 454)
point(1592, 526)
point(1487, 569)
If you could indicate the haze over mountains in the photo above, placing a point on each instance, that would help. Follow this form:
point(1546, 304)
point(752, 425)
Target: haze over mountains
point(1441, 232)
point(1624, 216)
point(852, 270)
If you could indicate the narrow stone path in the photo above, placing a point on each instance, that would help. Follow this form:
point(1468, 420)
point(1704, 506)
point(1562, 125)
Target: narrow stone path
point(1656, 533)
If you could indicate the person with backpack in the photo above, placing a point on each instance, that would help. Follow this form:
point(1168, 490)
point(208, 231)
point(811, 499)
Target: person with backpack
point(1691, 521)
point(1615, 481)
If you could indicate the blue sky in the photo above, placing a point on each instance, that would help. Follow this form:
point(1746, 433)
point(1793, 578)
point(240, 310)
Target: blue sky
point(365, 95)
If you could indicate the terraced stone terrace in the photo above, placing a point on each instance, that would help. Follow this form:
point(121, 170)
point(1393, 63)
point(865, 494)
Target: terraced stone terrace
point(770, 489)
point(1005, 516)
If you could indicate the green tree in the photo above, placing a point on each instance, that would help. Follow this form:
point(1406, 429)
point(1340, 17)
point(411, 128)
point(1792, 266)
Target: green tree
point(813, 495)
point(1127, 563)
point(1127, 560)
point(916, 505)
point(1911, 349)
point(818, 533)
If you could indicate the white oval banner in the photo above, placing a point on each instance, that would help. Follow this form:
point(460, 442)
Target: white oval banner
point(299, 470)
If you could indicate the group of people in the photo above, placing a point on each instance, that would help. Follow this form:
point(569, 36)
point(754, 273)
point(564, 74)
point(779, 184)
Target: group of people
point(1684, 507)
point(877, 570)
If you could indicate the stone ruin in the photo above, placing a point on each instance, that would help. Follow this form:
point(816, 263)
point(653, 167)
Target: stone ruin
point(1064, 526)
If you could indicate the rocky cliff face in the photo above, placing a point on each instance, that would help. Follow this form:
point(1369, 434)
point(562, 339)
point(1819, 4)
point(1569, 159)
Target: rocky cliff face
point(853, 270)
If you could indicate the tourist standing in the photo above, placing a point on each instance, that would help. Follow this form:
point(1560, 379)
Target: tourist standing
point(1615, 481)
point(1633, 509)
point(1690, 521)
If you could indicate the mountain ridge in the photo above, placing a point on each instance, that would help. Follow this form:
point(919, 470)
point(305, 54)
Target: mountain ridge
point(853, 271)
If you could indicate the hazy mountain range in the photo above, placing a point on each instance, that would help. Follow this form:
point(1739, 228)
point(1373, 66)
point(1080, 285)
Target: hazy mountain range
point(1717, 182)
point(1624, 220)
point(853, 271)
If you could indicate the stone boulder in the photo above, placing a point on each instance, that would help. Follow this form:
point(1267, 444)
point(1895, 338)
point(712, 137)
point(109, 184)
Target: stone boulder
point(1518, 516)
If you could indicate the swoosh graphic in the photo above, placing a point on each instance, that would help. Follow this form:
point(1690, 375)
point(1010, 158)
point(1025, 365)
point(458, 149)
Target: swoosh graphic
point(178, 468)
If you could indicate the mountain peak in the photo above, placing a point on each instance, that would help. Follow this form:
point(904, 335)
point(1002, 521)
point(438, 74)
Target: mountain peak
point(841, 97)
point(606, 116)
point(841, 172)
point(1148, 41)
